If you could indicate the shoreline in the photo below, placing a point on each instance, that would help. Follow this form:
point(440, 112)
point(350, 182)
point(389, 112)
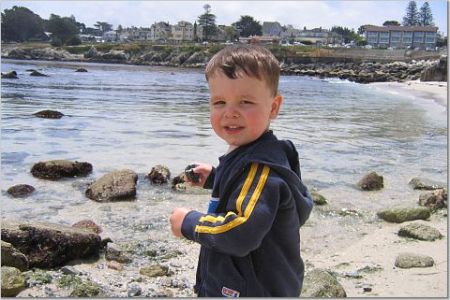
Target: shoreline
point(433, 90)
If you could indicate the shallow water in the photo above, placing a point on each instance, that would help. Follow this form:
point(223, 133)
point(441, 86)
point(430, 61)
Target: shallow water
point(120, 116)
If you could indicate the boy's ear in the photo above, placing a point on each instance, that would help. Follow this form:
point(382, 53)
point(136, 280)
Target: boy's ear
point(276, 105)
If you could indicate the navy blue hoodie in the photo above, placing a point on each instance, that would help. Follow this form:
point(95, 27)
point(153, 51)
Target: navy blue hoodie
point(251, 242)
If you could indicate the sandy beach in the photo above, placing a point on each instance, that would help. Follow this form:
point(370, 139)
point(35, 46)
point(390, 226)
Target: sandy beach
point(436, 90)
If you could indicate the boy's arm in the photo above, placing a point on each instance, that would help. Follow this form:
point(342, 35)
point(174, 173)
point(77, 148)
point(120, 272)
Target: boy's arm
point(241, 230)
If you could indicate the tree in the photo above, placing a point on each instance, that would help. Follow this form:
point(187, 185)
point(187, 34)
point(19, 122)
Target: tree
point(208, 23)
point(412, 16)
point(391, 23)
point(195, 32)
point(347, 34)
point(62, 29)
point(20, 24)
point(247, 26)
point(103, 26)
point(425, 15)
point(119, 28)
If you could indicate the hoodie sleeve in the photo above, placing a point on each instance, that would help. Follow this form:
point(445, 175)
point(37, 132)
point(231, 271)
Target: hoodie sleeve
point(251, 211)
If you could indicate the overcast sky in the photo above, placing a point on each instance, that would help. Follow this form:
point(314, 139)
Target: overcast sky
point(325, 14)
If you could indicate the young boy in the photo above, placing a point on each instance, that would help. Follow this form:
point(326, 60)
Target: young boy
point(250, 235)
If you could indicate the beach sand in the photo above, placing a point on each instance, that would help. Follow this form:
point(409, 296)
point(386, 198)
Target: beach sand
point(436, 90)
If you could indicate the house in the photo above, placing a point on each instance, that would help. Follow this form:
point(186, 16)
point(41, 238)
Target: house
point(401, 37)
point(160, 32)
point(318, 36)
point(183, 31)
point(258, 39)
point(110, 36)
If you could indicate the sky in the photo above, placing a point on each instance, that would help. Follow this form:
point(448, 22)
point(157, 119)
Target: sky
point(300, 14)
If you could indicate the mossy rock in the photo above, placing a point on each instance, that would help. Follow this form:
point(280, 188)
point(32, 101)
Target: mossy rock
point(13, 282)
point(420, 232)
point(87, 289)
point(371, 182)
point(400, 215)
point(320, 283)
point(318, 198)
point(155, 271)
point(411, 260)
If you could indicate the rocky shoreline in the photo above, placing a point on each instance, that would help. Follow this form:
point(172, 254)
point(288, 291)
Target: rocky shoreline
point(352, 69)
point(41, 259)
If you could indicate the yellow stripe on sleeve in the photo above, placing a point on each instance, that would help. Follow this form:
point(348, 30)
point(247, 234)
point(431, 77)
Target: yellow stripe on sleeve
point(248, 210)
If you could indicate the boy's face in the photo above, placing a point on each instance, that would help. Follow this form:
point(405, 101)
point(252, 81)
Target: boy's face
point(241, 109)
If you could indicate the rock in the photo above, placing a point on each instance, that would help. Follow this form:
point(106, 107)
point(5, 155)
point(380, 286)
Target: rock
point(134, 290)
point(57, 169)
point(400, 215)
point(69, 270)
point(115, 55)
point(38, 277)
point(420, 232)
point(48, 245)
point(115, 186)
point(320, 283)
point(434, 200)
point(49, 114)
point(91, 53)
point(318, 198)
point(88, 225)
point(115, 265)
point(13, 282)
point(155, 271)
point(20, 190)
point(11, 257)
point(425, 184)
point(87, 289)
point(178, 182)
point(114, 252)
point(411, 260)
point(371, 182)
point(10, 75)
point(159, 174)
point(81, 70)
point(38, 74)
point(436, 72)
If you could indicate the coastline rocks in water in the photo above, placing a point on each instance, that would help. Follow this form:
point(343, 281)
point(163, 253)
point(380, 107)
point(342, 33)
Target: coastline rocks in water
point(425, 184)
point(371, 182)
point(436, 72)
point(20, 190)
point(13, 282)
point(400, 215)
point(434, 200)
point(38, 74)
point(114, 186)
point(115, 253)
point(10, 75)
point(56, 169)
point(320, 283)
point(178, 182)
point(91, 53)
point(318, 198)
point(88, 225)
point(411, 260)
point(118, 55)
point(48, 245)
point(420, 232)
point(12, 257)
point(159, 174)
point(49, 114)
point(81, 70)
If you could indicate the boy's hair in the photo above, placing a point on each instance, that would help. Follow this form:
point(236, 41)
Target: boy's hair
point(254, 61)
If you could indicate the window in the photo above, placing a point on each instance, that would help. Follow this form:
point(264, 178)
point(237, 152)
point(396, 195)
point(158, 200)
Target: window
point(430, 37)
point(407, 37)
point(396, 36)
point(418, 37)
point(384, 37)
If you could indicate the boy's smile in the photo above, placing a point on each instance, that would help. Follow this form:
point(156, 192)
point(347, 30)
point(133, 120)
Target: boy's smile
point(241, 109)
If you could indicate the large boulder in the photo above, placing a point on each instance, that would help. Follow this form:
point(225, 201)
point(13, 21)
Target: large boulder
point(434, 200)
point(57, 169)
point(437, 72)
point(10, 75)
point(320, 283)
point(88, 225)
point(371, 182)
point(114, 186)
point(115, 55)
point(13, 282)
point(38, 74)
point(403, 214)
point(91, 53)
point(12, 257)
point(48, 245)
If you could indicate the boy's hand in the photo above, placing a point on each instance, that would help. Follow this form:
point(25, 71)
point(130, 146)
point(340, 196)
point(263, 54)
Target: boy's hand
point(176, 220)
point(203, 171)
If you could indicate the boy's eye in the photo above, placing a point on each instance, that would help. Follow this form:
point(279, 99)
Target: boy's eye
point(218, 102)
point(246, 102)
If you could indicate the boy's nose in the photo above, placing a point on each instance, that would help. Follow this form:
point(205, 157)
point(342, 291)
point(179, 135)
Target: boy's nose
point(231, 112)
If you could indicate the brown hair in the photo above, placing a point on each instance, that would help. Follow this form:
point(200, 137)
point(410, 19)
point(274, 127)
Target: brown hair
point(254, 61)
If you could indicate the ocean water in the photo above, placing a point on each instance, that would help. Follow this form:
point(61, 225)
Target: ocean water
point(135, 117)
